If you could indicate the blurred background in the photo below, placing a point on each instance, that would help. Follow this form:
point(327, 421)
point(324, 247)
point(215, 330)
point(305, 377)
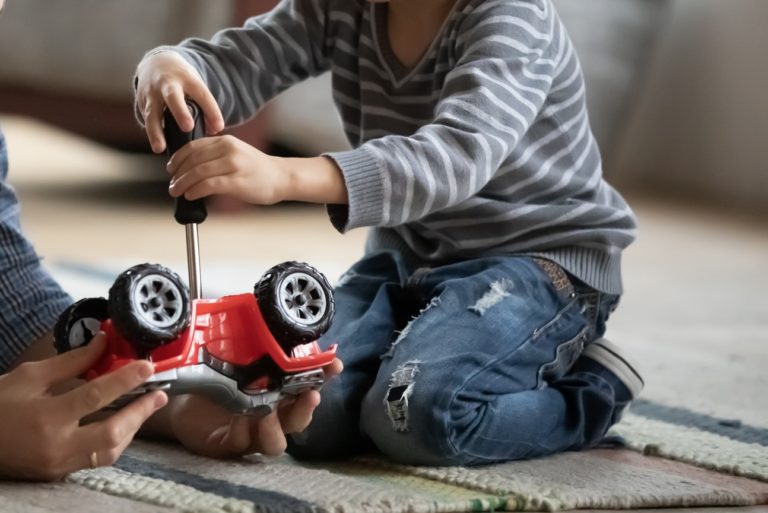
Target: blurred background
point(677, 100)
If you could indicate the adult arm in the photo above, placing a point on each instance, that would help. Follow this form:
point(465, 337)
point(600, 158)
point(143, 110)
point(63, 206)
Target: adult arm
point(30, 299)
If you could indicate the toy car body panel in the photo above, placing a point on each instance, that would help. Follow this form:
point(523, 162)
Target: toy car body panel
point(225, 349)
point(230, 329)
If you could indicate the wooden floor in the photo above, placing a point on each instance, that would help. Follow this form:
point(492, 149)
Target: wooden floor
point(695, 314)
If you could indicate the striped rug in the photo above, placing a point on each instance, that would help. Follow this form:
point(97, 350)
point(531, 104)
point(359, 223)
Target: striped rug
point(660, 456)
point(664, 464)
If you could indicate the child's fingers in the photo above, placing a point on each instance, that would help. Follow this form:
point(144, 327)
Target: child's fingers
point(209, 187)
point(197, 183)
point(214, 121)
point(195, 153)
point(153, 123)
point(173, 96)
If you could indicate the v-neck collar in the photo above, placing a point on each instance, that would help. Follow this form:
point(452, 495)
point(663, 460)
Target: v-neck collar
point(398, 73)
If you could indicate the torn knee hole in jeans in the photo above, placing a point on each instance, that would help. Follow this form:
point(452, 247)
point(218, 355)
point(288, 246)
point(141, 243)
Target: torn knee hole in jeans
point(404, 332)
point(498, 290)
point(399, 392)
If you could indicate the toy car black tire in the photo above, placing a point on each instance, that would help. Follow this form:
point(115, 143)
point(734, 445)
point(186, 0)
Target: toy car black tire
point(149, 305)
point(78, 324)
point(296, 302)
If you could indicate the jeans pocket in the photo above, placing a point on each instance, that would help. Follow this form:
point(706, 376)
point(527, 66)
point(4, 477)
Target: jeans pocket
point(565, 356)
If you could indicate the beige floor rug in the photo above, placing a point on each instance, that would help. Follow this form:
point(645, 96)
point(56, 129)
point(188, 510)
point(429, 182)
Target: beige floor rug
point(678, 469)
point(666, 457)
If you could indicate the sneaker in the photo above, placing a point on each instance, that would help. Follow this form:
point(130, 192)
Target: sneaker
point(604, 358)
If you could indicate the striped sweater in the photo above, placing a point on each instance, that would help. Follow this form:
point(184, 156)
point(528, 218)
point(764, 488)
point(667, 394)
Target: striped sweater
point(483, 148)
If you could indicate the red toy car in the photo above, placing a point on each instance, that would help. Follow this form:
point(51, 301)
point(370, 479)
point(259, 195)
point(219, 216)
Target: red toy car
point(245, 351)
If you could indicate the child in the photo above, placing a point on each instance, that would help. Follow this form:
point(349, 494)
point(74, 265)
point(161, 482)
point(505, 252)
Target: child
point(470, 330)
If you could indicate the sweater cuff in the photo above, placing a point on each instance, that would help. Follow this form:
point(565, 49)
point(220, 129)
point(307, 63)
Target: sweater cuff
point(364, 179)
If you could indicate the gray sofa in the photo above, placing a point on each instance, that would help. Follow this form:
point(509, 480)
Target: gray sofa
point(78, 56)
point(70, 62)
point(614, 39)
point(693, 122)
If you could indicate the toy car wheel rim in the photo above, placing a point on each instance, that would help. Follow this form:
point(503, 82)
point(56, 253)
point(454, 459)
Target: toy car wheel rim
point(83, 331)
point(159, 300)
point(302, 298)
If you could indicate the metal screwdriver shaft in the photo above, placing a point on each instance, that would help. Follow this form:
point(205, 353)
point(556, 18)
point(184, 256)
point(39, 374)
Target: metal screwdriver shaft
point(188, 213)
point(193, 261)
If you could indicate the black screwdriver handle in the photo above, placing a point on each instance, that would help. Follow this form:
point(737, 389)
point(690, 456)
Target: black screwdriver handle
point(187, 212)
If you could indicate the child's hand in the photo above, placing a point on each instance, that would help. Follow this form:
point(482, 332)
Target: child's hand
point(207, 429)
point(164, 80)
point(227, 165)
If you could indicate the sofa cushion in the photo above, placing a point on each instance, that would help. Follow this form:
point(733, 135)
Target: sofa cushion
point(90, 48)
point(614, 39)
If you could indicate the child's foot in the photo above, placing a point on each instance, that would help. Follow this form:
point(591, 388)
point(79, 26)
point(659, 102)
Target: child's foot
point(605, 359)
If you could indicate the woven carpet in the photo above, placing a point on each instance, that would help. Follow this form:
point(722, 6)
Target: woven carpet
point(660, 456)
point(666, 465)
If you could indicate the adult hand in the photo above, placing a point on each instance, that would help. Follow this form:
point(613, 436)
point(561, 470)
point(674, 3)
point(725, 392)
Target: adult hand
point(163, 80)
point(207, 429)
point(41, 436)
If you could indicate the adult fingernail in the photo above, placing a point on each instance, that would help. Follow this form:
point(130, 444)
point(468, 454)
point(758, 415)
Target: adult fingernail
point(160, 400)
point(146, 371)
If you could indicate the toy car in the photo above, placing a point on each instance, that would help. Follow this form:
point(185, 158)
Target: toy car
point(245, 351)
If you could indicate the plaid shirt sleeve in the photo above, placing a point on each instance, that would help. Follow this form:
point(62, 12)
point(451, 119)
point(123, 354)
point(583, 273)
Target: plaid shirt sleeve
point(30, 299)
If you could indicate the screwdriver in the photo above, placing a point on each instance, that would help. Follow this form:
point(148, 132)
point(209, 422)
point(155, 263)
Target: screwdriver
point(188, 213)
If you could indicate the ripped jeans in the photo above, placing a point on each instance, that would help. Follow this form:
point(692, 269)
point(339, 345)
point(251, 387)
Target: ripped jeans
point(463, 364)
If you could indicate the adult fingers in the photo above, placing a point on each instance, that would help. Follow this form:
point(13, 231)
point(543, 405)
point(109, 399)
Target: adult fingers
point(270, 438)
point(200, 424)
point(334, 368)
point(295, 417)
point(102, 391)
point(65, 366)
point(106, 440)
point(238, 437)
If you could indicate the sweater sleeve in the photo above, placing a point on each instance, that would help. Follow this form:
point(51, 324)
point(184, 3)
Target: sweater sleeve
point(506, 58)
point(30, 300)
point(245, 67)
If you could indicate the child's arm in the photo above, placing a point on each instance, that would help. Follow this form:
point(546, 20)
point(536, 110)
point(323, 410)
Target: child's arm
point(507, 58)
point(508, 55)
point(236, 72)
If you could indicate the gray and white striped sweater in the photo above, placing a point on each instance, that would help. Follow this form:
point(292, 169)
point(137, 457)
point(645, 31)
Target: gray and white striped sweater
point(483, 148)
